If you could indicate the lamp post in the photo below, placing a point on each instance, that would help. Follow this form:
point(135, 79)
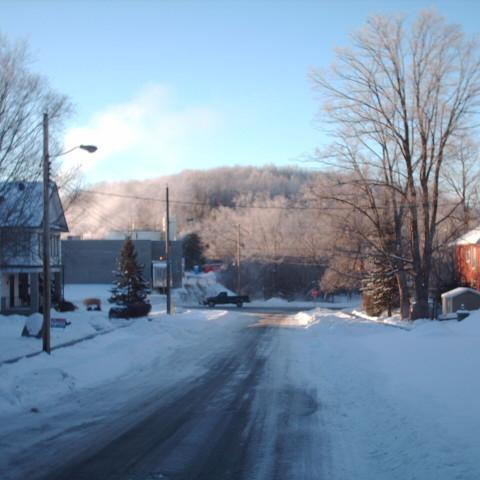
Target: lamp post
point(168, 254)
point(238, 259)
point(46, 230)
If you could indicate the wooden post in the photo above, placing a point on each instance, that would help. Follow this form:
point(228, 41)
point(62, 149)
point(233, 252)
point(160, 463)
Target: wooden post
point(46, 238)
point(167, 253)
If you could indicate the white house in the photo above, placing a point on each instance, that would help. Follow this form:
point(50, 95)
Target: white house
point(21, 243)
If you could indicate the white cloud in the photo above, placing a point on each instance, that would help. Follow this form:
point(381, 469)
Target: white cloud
point(146, 136)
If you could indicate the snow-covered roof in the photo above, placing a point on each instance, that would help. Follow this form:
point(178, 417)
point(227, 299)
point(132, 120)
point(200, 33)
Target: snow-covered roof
point(21, 205)
point(470, 238)
point(459, 291)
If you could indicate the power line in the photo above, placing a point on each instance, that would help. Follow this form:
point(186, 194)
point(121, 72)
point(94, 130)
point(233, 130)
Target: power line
point(248, 207)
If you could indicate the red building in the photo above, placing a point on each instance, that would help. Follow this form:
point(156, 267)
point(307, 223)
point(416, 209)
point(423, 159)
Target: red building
point(467, 254)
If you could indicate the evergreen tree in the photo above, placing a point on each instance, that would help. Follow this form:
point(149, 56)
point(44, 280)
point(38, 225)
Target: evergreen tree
point(193, 249)
point(380, 289)
point(130, 286)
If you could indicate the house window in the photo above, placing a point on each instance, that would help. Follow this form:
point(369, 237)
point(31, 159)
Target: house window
point(11, 290)
point(39, 245)
point(24, 289)
point(54, 246)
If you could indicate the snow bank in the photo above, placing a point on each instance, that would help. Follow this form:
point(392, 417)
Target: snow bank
point(320, 315)
point(340, 303)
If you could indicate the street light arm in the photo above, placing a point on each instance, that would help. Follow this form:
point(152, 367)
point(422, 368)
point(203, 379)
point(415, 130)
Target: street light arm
point(88, 148)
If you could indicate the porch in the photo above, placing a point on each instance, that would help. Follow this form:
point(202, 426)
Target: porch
point(22, 291)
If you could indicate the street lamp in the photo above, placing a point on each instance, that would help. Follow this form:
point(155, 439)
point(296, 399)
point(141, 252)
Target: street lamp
point(88, 148)
point(46, 230)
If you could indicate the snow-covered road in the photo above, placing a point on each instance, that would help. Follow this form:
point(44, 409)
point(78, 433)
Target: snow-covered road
point(215, 422)
point(311, 396)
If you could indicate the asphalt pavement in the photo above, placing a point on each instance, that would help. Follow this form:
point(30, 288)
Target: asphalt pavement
point(237, 421)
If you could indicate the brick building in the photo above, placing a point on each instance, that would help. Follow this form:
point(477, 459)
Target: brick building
point(467, 258)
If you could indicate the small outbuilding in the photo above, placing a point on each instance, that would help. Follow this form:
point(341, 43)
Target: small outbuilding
point(461, 298)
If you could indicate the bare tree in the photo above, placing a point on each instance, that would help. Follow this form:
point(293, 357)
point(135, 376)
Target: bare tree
point(24, 97)
point(397, 98)
point(461, 177)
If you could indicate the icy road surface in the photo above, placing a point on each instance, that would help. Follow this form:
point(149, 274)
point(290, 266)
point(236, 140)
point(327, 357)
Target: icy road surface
point(239, 420)
point(310, 396)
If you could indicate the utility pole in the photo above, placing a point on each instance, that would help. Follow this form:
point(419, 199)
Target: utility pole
point(238, 259)
point(46, 238)
point(167, 252)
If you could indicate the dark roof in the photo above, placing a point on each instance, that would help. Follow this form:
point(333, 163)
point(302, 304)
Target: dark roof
point(21, 206)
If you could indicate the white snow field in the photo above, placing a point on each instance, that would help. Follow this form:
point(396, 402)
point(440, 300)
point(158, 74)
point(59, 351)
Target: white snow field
point(392, 403)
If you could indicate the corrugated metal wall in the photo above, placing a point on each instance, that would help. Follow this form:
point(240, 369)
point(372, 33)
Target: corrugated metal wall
point(93, 261)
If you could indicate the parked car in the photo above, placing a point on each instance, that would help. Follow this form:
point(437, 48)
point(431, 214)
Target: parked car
point(223, 299)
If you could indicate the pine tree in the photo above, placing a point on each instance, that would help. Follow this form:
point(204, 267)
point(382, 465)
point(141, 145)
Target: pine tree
point(380, 288)
point(193, 249)
point(130, 286)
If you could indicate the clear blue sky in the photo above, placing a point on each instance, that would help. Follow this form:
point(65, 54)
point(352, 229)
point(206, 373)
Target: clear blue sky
point(162, 86)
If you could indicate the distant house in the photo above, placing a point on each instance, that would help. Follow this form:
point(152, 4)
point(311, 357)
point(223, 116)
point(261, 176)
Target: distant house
point(21, 244)
point(467, 257)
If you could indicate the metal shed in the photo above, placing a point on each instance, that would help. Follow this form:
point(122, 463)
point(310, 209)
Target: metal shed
point(461, 298)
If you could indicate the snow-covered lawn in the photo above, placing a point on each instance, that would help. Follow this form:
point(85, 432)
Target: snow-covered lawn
point(395, 404)
point(83, 323)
